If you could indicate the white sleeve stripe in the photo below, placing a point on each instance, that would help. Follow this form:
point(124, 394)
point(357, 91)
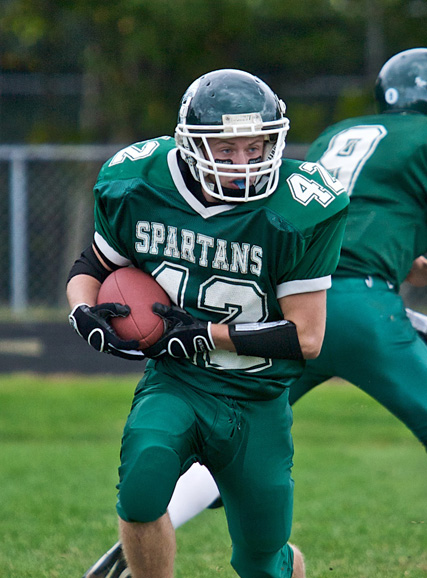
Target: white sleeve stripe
point(260, 326)
point(109, 252)
point(303, 286)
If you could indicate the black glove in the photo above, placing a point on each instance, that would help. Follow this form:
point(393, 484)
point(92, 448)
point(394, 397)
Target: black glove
point(92, 323)
point(184, 335)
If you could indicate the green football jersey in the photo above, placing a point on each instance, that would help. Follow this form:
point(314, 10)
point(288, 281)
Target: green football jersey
point(382, 162)
point(228, 263)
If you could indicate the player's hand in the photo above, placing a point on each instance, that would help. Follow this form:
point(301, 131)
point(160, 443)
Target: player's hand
point(92, 323)
point(184, 335)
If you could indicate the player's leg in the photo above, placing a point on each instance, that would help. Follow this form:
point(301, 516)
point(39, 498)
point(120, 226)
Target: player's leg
point(195, 491)
point(257, 490)
point(298, 564)
point(154, 453)
point(310, 378)
point(149, 547)
point(371, 343)
point(398, 382)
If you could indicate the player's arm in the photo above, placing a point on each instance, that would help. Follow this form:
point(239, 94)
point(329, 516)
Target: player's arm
point(308, 312)
point(91, 321)
point(417, 276)
point(86, 276)
point(82, 289)
point(298, 336)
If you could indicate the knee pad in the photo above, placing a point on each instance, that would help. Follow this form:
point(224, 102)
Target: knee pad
point(146, 485)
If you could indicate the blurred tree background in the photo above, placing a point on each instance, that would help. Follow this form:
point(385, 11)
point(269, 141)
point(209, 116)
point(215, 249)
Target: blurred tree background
point(103, 71)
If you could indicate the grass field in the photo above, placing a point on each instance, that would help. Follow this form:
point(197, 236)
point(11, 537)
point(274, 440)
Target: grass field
point(360, 497)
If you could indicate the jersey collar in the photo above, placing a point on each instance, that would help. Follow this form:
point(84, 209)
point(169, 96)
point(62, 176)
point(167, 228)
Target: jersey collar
point(187, 195)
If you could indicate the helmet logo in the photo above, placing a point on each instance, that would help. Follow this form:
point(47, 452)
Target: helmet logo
point(391, 96)
point(420, 82)
point(253, 119)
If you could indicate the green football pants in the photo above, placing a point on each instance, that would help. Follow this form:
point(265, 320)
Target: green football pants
point(370, 342)
point(246, 445)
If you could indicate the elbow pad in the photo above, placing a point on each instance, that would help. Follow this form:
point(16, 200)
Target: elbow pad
point(276, 339)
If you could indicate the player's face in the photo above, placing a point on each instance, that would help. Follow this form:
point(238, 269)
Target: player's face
point(236, 151)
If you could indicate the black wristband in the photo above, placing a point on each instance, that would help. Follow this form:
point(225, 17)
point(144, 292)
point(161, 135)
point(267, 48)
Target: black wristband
point(276, 339)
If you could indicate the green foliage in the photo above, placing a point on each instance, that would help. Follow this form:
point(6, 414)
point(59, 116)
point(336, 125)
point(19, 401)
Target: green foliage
point(306, 121)
point(359, 495)
point(354, 103)
point(137, 57)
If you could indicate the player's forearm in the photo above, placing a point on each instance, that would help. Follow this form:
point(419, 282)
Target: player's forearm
point(309, 344)
point(277, 339)
point(221, 337)
point(82, 289)
point(418, 274)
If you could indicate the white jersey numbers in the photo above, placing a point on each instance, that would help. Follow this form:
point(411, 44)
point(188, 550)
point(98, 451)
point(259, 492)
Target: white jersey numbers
point(304, 190)
point(136, 152)
point(349, 150)
point(237, 301)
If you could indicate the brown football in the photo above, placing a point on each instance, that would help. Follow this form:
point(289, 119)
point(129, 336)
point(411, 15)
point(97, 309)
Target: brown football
point(139, 290)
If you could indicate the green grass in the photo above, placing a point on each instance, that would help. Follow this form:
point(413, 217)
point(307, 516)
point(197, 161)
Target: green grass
point(360, 496)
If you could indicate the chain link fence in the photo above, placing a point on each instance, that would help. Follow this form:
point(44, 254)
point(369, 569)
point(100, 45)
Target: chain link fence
point(46, 220)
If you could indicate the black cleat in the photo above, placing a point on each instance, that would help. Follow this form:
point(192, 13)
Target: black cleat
point(120, 569)
point(111, 565)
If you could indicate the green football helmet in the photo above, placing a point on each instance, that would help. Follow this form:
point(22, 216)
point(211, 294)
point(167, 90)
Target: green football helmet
point(231, 103)
point(402, 82)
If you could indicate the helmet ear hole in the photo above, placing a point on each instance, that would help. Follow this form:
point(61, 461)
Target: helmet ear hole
point(232, 103)
point(401, 84)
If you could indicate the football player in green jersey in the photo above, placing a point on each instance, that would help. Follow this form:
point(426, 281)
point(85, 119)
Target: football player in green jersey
point(382, 162)
point(245, 245)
